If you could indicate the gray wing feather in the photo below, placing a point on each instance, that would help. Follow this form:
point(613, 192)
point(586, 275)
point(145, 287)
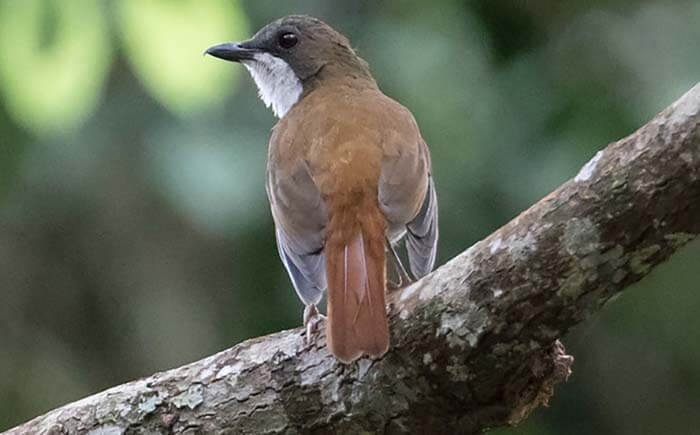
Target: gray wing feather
point(422, 235)
point(300, 218)
point(306, 271)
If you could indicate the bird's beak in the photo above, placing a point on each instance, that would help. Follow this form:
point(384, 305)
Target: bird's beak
point(232, 51)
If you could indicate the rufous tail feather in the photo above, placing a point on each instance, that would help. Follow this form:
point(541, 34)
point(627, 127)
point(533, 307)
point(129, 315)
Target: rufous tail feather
point(357, 320)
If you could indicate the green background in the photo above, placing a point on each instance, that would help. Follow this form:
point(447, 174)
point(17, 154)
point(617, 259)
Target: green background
point(134, 229)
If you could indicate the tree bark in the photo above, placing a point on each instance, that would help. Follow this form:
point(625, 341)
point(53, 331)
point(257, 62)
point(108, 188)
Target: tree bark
point(474, 344)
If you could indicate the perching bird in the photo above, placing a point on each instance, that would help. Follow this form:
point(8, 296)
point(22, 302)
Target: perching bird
point(348, 175)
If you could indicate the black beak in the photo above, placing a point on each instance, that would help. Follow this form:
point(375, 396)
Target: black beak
point(232, 51)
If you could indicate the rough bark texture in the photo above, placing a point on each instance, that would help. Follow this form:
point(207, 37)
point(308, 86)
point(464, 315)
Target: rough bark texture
point(474, 344)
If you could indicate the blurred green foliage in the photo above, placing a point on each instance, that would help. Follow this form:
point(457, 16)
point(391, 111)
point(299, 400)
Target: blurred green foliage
point(53, 61)
point(164, 39)
point(134, 229)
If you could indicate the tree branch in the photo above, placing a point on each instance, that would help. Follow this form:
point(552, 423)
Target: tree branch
point(474, 344)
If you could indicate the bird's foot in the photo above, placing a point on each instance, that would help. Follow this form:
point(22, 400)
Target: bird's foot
point(397, 277)
point(397, 282)
point(312, 321)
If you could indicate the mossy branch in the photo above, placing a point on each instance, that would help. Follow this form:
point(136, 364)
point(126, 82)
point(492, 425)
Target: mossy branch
point(474, 344)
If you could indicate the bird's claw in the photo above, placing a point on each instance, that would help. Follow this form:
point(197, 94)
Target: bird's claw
point(312, 320)
point(397, 277)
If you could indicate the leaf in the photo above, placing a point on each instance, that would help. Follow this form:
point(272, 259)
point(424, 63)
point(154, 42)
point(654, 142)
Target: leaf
point(52, 81)
point(164, 41)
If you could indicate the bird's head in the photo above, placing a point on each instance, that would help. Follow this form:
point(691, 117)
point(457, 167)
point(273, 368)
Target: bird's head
point(290, 56)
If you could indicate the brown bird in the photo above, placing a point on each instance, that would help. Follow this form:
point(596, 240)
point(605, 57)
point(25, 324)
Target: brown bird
point(348, 176)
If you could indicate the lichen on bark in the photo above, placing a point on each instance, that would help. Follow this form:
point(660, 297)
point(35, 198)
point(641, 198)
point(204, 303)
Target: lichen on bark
point(474, 344)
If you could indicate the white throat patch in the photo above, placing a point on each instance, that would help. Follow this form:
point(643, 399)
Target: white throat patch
point(278, 86)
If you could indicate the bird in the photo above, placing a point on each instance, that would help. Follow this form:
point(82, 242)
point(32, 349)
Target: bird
point(348, 177)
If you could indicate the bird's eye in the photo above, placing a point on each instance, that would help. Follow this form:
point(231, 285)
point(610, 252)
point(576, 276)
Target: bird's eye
point(287, 40)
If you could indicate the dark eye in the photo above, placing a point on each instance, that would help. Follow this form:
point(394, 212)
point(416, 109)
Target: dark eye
point(287, 40)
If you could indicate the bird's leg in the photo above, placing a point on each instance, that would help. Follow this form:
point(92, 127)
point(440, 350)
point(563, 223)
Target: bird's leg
point(399, 278)
point(312, 320)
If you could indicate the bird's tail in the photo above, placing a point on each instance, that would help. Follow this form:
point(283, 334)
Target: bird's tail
point(356, 275)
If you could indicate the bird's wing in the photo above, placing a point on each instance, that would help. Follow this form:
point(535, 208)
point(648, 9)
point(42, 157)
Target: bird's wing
point(300, 217)
point(422, 235)
point(406, 191)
